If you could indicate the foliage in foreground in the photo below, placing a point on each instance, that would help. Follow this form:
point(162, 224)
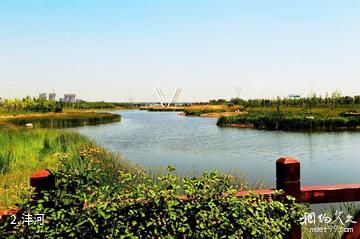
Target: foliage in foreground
point(92, 202)
point(290, 121)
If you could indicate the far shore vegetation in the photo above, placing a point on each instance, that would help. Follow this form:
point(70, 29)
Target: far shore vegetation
point(313, 113)
point(290, 121)
point(330, 105)
point(29, 105)
point(55, 114)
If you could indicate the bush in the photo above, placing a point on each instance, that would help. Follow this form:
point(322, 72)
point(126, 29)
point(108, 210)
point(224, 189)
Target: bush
point(88, 202)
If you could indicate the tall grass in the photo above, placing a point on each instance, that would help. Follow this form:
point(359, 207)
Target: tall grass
point(23, 151)
point(5, 160)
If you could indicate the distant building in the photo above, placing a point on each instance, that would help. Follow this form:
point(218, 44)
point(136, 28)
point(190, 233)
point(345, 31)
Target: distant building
point(69, 98)
point(43, 96)
point(52, 96)
point(294, 96)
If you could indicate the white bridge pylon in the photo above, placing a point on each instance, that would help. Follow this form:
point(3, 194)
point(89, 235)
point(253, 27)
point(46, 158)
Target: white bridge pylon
point(162, 99)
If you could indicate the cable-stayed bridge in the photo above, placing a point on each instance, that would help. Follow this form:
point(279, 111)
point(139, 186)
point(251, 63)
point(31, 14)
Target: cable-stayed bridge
point(165, 102)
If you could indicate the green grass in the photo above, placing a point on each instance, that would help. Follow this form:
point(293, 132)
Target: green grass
point(24, 151)
point(28, 150)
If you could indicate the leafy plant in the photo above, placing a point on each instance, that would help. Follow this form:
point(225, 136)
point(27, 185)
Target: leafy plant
point(88, 202)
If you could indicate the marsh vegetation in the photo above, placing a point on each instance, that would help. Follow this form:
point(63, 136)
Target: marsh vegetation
point(23, 151)
point(63, 120)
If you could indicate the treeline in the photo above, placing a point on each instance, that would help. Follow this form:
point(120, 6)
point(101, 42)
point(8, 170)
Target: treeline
point(29, 104)
point(90, 105)
point(313, 100)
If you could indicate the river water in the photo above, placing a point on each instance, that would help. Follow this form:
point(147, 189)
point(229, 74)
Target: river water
point(192, 144)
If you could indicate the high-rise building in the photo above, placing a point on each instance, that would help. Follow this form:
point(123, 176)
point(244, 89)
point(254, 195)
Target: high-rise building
point(70, 98)
point(52, 96)
point(43, 96)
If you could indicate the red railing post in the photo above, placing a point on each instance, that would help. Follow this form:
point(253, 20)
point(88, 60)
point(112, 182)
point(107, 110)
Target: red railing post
point(42, 180)
point(288, 179)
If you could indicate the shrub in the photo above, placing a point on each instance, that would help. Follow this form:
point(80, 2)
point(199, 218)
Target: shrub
point(88, 202)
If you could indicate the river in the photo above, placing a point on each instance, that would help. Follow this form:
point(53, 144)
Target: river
point(193, 144)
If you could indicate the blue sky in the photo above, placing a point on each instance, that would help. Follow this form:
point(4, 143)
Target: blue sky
point(121, 50)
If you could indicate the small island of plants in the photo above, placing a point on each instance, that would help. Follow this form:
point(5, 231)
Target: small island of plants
point(290, 121)
point(63, 120)
point(312, 113)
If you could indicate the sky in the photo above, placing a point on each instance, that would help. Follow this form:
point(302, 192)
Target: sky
point(120, 50)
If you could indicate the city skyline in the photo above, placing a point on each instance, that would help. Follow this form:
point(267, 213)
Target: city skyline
point(121, 50)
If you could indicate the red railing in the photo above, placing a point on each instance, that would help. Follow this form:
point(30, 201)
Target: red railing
point(287, 179)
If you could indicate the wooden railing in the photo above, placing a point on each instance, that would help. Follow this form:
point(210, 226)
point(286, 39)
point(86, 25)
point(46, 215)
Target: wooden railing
point(287, 179)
